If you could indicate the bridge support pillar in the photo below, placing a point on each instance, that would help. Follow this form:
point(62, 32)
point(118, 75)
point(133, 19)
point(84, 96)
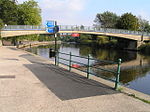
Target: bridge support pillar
point(129, 44)
point(133, 45)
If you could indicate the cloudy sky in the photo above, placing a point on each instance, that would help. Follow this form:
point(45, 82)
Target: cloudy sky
point(83, 12)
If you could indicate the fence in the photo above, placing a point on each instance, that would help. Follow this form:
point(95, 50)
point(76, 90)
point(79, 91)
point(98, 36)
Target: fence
point(76, 28)
point(71, 63)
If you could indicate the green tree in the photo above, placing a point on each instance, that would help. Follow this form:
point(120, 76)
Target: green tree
point(147, 28)
point(106, 19)
point(144, 25)
point(128, 21)
point(8, 12)
point(29, 13)
point(1, 24)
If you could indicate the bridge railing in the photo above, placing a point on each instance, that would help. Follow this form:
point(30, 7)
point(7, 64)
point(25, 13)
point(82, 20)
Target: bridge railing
point(76, 28)
point(102, 30)
point(23, 27)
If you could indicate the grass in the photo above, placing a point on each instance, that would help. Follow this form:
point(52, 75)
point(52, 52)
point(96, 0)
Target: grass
point(133, 95)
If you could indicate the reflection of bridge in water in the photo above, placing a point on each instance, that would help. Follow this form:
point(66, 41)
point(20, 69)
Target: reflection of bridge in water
point(138, 62)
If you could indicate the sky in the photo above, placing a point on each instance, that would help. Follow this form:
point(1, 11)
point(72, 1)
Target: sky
point(83, 12)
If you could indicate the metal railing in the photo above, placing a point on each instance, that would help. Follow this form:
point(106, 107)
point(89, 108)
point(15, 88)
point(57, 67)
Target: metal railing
point(76, 28)
point(70, 61)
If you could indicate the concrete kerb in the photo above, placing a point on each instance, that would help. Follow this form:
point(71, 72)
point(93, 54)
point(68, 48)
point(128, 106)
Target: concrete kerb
point(124, 89)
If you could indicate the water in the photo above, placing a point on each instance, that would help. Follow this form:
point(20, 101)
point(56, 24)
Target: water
point(135, 69)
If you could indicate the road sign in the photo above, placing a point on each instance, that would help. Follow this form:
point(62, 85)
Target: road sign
point(51, 27)
point(50, 30)
point(50, 24)
point(56, 29)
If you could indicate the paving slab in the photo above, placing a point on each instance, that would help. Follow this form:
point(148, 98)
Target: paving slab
point(30, 83)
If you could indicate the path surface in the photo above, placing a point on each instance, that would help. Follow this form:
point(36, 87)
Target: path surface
point(29, 83)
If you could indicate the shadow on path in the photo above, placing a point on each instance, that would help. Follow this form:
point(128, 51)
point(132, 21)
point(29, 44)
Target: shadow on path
point(64, 84)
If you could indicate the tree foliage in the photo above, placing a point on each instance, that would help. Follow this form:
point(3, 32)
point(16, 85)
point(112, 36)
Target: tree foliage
point(128, 21)
point(106, 19)
point(144, 25)
point(1, 24)
point(29, 13)
point(8, 12)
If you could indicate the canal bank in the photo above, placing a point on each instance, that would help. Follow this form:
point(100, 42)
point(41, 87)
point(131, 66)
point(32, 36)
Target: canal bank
point(135, 67)
point(32, 83)
point(29, 44)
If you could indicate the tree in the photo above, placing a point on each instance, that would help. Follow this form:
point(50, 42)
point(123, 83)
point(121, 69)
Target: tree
point(8, 12)
point(128, 21)
point(29, 13)
point(1, 24)
point(147, 28)
point(106, 19)
point(144, 25)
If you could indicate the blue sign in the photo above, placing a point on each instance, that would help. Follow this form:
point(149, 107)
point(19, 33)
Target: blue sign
point(50, 24)
point(50, 30)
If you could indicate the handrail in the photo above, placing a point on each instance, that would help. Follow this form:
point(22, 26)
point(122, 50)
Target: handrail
point(75, 28)
point(88, 66)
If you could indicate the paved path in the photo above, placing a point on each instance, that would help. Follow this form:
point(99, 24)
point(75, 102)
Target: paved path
point(29, 83)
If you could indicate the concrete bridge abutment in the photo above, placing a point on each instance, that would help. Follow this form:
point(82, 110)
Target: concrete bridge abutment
point(129, 44)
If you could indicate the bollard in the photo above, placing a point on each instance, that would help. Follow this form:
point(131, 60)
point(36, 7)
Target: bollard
point(51, 53)
point(117, 74)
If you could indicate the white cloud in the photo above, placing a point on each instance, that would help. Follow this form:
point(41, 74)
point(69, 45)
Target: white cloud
point(63, 11)
point(73, 5)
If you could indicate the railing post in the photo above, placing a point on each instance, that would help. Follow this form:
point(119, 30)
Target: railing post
point(117, 74)
point(55, 36)
point(57, 58)
point(70, 62)
point(88, 67)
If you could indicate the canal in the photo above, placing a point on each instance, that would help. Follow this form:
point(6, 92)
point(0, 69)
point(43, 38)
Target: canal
point(135, 69)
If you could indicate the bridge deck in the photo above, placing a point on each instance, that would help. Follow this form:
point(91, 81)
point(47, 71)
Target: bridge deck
point(28, 32)
point(31, 83)
point(17, 30)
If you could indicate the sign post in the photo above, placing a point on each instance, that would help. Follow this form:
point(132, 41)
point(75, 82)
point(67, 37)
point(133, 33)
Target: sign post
point(51, 27)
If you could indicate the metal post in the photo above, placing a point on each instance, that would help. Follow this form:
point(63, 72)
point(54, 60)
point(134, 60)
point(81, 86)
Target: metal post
point(55, 36)
point(70, 62)
point(88, 67)
point(117, 74)
point(57, 58)
point(142, 35)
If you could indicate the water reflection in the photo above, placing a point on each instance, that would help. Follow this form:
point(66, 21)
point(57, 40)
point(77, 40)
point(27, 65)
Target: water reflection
point(135, 67)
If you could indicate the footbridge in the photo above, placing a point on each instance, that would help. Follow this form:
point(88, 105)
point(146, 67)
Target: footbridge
point(133, 38)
